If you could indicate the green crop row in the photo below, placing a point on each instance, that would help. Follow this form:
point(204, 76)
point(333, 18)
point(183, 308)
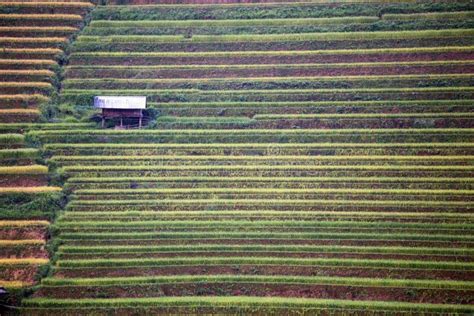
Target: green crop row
point(196, 236)
point(394, 50)
point(230, 23)
point(116, 146)
point(264, 160)
point(286, 26)
point(190, 191)
point(336, 36)
point(106, 158)
point(140, 262)
point(196, 136)
point(184, 45)
point(362, 116)
point(264, 79)
point(24, 99)
point(25, 127)
point(103, 180)
point(265, 214)
point(198, 204)
point(443, 16)
point(412, 81)
point(229, 120)
point(282, 66)
point(272, 10)
point(130, 249)
point(246, 304)
point(194, 95)
point(233, 224)
point(348, 131)
point(11, 139)
point(431, 284)
point(270, 148)
point(80, 168)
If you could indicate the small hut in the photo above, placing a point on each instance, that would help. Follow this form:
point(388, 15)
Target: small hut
point(121, 107)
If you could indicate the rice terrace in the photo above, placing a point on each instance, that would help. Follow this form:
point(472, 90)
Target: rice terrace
point(236, 157)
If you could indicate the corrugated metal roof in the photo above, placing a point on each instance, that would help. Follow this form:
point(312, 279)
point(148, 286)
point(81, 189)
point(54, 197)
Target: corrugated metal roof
point(120, 102)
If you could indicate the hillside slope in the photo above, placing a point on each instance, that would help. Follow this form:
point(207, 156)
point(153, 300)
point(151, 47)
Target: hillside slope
point(308, 158)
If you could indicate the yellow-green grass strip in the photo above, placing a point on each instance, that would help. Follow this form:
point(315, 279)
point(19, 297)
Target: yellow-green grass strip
point(25, 84)
point(130, 249)
point(273, 191)
point(19, 112)
point(232, 23)
point(261, 304)
point(216, 235)
point(457, 15)
point(44, 126)
point(14, 284)
point(271, 202)
point(26, 223)
point(330, 36)
point(259, 279)
point(24, 242)
point(33, 40)
point(242, 302)
point(22, 261)
point(265, 91)
point(388, 103)
point(29, 190)
point(231, 214)
point(46, 62)
point(24, 170)
point(53, 146)
point(47, 17)
point(24, 97)
point(38, 29)
point(364, 115)
point(291, 66)
point(349, 131)
point(48, 4)
point(394, 50)
point(74, 180)
point(11, 138)
point(257, 4)
point(281, 79)
point(80, 168)
point(19, 153)
point(47, 73)
point(143, 262)
point(262, 223)
point(465, 158)
point(26, 51)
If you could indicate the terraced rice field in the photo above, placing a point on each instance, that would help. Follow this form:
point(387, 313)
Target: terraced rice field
point(214, 220)
point(33, 37)
point(26, 209)
point(307, 158)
